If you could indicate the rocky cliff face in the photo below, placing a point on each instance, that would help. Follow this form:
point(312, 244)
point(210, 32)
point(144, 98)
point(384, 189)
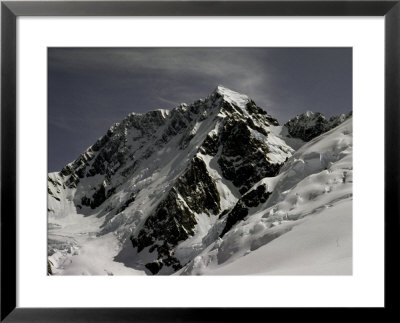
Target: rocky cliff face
point(169, 183)
point(235, 151)
point(309, 125)
point(251, 199)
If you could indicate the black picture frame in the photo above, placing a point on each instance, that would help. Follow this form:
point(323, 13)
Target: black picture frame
point(10, 10)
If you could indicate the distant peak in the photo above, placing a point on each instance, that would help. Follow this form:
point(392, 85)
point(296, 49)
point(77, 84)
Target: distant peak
point(232, 96)
point(308, 113)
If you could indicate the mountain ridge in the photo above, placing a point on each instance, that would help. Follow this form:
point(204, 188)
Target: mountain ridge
point(309, 125)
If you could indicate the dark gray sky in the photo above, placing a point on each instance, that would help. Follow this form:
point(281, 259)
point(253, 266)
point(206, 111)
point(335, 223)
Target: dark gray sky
point(89, 89)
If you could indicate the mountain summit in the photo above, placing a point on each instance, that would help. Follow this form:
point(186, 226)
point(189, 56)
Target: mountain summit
point(309, 125)
point(169, 184)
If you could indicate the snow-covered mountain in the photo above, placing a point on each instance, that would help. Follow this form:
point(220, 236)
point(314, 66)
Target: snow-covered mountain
point(168, 191)
point(309, 125)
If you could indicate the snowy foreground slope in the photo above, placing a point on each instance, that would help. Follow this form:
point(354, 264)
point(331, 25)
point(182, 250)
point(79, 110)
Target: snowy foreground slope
point(215, 187)
point(305, 226)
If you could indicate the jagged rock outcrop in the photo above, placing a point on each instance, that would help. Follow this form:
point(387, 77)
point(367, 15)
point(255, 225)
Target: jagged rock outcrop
point(309, 125)
point(244, 158)
point(253, 198)
point(49, 270)
point(174, 220)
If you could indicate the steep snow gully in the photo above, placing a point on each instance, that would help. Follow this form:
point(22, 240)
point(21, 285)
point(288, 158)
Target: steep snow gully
point(216, 187)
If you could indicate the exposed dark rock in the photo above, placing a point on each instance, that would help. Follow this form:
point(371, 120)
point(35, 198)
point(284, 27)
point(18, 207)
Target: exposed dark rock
point(254, 109)
point(109, 156)
point(210, 145)
point(186, 140)
point(65, 171)
point(101, 142)
point(174, 220)
point(130, 200)
point(253, 126)
point(256, 196)
point(166, 258)
point(72, 181)
point(198, 188)
point(110, 152)
point(49, 264)
point(130, 169)
point(260, 115)
point(223, 213)
point(78, 167)
point(99, 196)
point(309, 125)
point(171, 222)
point(154, 267)
point(241, 209)
point(85, 201)
point(243, 160)
point(54, 182)
point(52, 195)
point(230, 108)
point(110, 192)
point(179, 121)
point(334, 121)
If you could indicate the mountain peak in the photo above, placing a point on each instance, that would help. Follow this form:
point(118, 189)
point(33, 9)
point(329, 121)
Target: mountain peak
point(309, 125)
point(308, 113)
point(233, 97)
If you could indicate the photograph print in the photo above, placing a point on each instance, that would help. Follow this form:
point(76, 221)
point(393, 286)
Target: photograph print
point(200, 161)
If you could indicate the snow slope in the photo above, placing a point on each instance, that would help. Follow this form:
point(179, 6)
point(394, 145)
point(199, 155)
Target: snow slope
point(76, 249)
point(304, 227)
point(320, 244)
